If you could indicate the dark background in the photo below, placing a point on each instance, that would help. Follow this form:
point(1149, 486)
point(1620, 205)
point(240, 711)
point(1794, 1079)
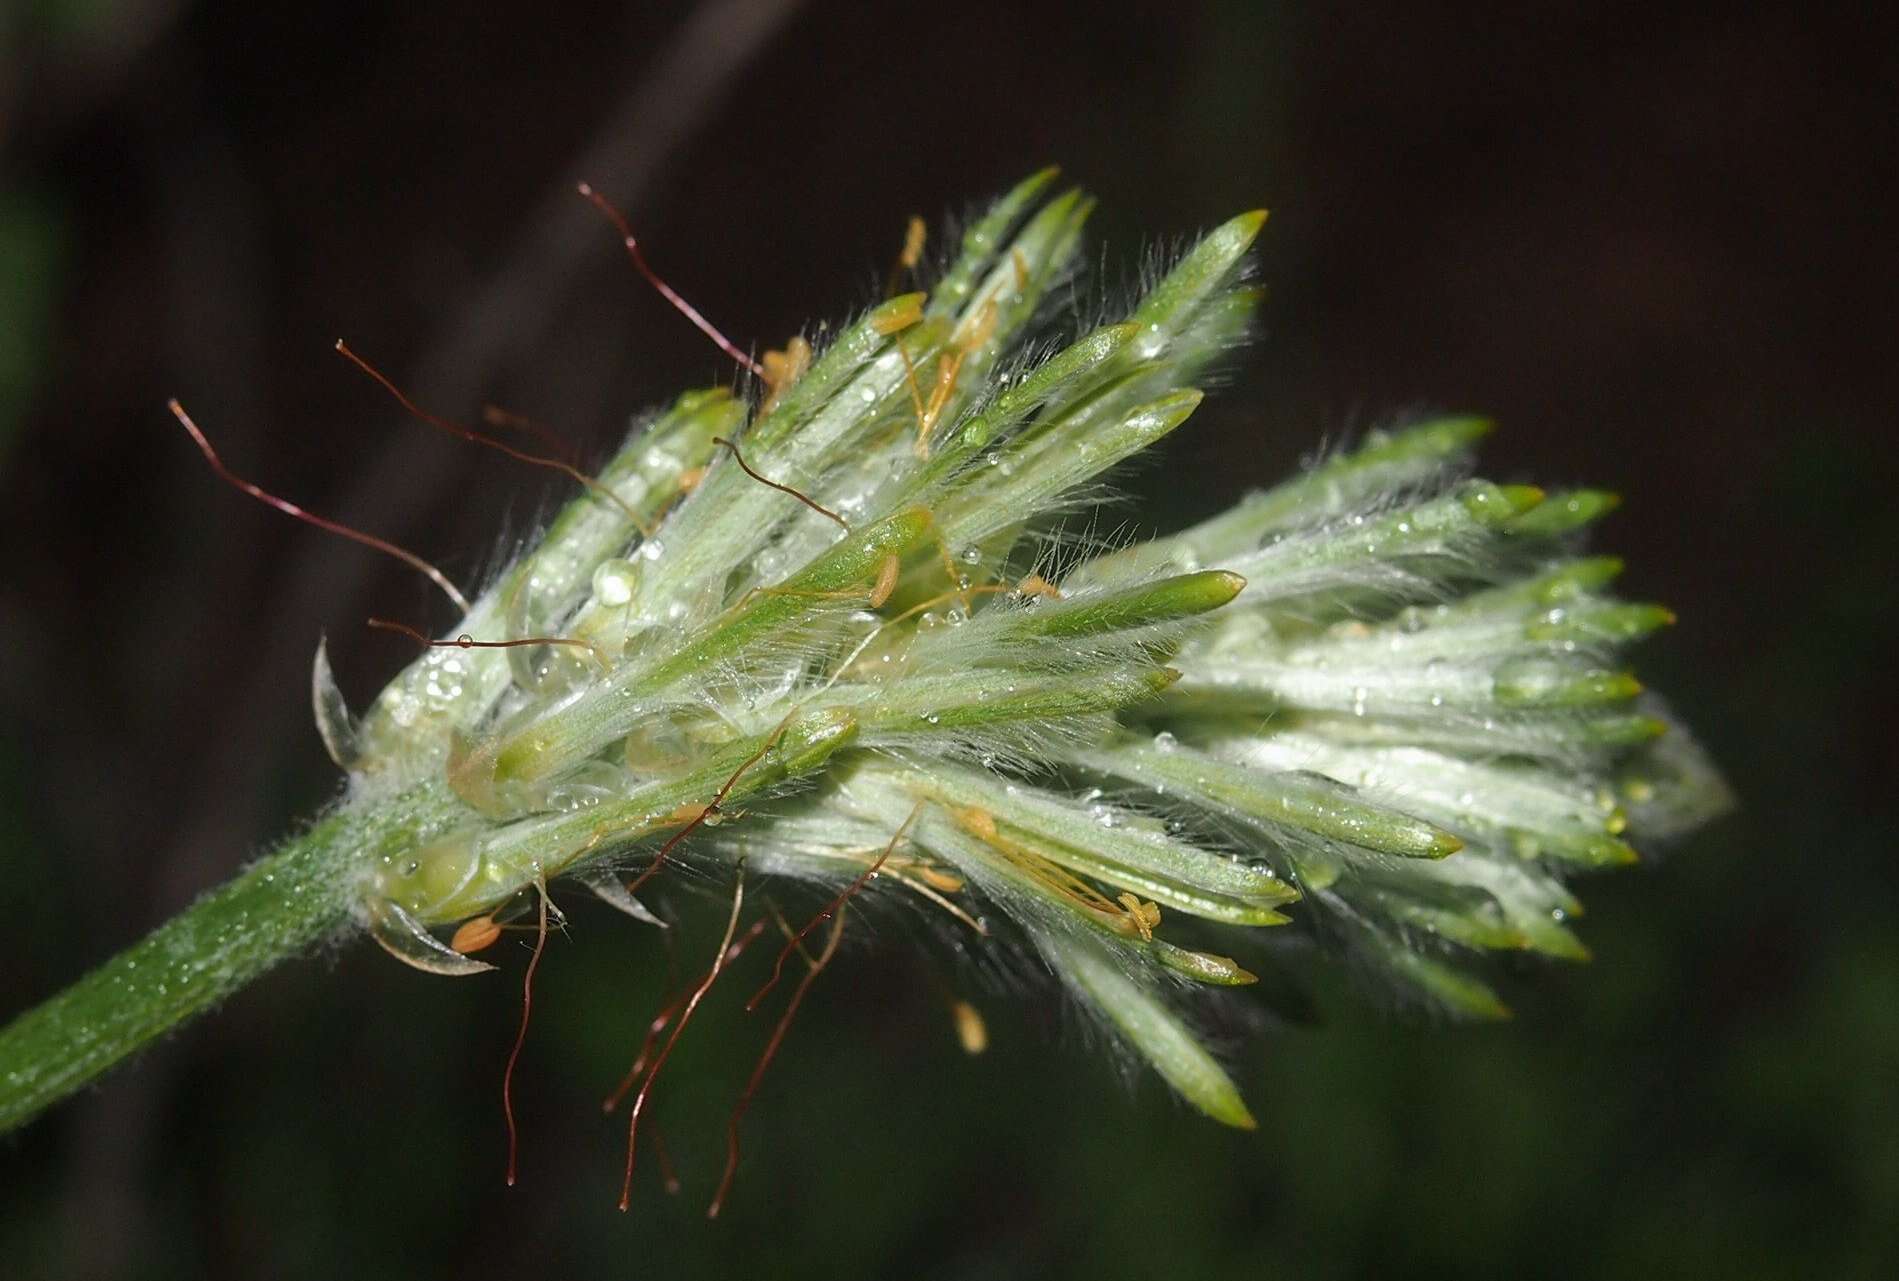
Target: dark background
point(1653, 241)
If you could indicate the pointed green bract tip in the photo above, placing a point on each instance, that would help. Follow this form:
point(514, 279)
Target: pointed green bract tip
point(1230, 583)
point(1248, 224)
point(1547, 683)
point(1451, 987)
point(1207, 269)
point(1496, 504)
point(1203, 967)
point(1598, 621)
point(898, 313)
point(1152, 421)
point(701, 399)
point(1185, 595)
point(1622, 731)
point(1577, 577)
point(1024, 193)
point(1170, 600)
point(1521, 498)
point(1565, 512)
point(1438, 436)
point(1151, 1028)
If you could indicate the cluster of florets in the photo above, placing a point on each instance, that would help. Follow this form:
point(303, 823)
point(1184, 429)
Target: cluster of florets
point(823, 638)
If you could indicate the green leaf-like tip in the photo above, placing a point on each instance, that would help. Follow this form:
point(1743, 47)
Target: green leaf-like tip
point(894, 315)
point(1199, 593)
point(1150, 604)
point(1165, 414)
point(1204, 272)
point(1610, 621)
point(1203, 967)
point(1296, 800)
point(1152, 1029)
point(1447, 435)
point(1563, 513)
point(1619, 731)
point(1499, 504)
point(1546, 683)
point(1576, 577)
point(1451, 987)
point(1060, 376)
point(985, 237)
point(1036, 181)
point(1618, 853)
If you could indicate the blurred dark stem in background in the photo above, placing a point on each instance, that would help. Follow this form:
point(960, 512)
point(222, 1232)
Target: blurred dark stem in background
point(1650, 241)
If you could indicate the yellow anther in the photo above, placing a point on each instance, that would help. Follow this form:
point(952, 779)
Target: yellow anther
point(783, 369)
point(971, 1031)
point(1143, 916)
point(475, 935)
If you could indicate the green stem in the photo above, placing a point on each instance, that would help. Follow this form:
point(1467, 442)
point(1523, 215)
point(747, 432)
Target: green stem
point(276, 908)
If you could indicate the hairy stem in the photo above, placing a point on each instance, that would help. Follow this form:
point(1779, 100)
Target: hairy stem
point(276, 908)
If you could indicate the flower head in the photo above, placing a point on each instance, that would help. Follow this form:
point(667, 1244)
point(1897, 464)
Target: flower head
point(839, 633)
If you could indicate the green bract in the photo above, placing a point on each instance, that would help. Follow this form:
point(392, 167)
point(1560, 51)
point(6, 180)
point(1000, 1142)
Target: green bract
point(1382, 702)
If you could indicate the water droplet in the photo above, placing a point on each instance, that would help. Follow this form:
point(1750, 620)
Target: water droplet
point(614, 581)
